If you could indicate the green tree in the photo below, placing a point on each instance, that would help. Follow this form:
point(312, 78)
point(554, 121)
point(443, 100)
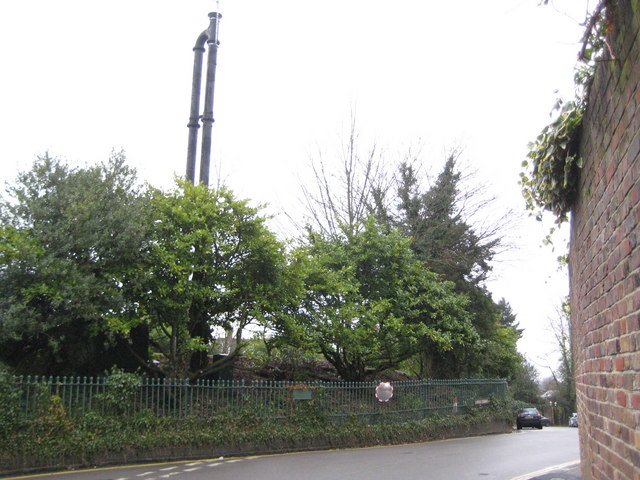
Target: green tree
point(507, 317)
point(369, 304)
point(210, 262)
point(524, 384)
point(497, 355)
point(564, 374)
point(493, 355)
point(69, 238)
point(500, 357)
point(436, 221)
point(439, 224)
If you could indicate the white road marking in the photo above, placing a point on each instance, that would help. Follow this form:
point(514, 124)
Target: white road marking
point(528, 476)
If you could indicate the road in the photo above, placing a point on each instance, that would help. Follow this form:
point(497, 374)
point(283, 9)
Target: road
point(496, 457)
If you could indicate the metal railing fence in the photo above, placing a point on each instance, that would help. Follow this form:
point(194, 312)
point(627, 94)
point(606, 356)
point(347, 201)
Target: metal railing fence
point(180, 398)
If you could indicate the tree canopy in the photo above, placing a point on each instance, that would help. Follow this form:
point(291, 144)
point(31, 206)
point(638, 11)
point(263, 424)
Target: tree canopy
point(98, 271)
point(370, 304)
point(70, 236)
point(209, 262)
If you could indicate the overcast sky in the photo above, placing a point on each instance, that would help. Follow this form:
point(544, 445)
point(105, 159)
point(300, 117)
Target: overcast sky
point(80, 78)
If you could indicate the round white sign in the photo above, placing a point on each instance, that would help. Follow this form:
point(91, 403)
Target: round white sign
point(384, 391)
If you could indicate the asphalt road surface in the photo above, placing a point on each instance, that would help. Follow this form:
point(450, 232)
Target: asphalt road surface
point(497, 457)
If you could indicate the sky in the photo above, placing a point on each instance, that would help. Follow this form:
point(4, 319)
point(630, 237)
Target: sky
point(81, 79)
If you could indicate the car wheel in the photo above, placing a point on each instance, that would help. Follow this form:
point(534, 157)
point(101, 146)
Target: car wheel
point(540, 427)
point(519, 427)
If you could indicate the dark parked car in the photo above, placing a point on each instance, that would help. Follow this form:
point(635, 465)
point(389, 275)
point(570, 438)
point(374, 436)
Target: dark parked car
point(529, 417)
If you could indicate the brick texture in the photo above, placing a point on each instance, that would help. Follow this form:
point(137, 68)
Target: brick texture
point(604, 261)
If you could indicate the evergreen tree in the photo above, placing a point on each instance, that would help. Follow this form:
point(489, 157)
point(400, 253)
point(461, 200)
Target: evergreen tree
point(436, 222)
point(70, 239)
point(440, 235)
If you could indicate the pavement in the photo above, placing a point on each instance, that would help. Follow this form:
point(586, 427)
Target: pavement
point(569, 472)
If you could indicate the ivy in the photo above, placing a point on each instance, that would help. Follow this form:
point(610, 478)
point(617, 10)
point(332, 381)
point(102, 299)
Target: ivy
point(552, 171)
point(555, 160)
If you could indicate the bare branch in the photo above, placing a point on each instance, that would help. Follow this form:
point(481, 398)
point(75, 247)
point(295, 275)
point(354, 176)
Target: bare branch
point(338, 202)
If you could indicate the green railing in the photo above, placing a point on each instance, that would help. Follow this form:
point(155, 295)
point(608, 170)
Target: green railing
point(266, 399)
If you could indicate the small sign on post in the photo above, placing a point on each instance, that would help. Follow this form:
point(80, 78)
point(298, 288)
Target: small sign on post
point(384, 391)
point(455, 405)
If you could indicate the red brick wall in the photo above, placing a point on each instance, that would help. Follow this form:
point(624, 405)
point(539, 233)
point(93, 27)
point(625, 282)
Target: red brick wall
point(604, 262)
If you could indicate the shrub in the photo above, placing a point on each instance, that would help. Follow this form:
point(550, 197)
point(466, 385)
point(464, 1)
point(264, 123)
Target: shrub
point(10, 400)
point(55, 438)
point(120, 392)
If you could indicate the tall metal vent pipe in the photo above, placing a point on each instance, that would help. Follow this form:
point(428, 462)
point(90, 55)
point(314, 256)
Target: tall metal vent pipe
point(210, 38)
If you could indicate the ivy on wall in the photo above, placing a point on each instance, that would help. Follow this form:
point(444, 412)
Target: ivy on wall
point(552, 171)
point(552, 182)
